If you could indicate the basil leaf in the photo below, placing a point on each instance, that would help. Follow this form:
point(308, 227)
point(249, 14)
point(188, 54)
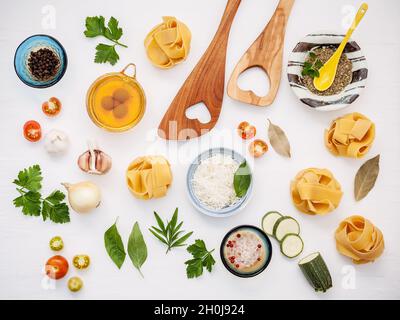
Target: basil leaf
point(137, 249)
point(114, 245)
point(242, 179)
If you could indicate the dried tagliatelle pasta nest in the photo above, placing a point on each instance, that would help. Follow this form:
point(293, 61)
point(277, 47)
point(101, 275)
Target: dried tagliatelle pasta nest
point(168, 43)
point(358, 239)
point(149, 177)
point(350, 136)
point(315, 191)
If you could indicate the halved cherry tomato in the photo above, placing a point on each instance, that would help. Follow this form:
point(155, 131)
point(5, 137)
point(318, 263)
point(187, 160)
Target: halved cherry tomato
point(81, 261)
point(56, 243)
point(246, 130)
point(52, 107)
point(32, 131)
point(56, 267)
point(257, 148)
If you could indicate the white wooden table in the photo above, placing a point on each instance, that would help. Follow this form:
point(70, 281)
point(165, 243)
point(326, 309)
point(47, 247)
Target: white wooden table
point(24, 240)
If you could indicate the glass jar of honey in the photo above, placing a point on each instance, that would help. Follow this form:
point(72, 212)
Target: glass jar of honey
point(116, 101)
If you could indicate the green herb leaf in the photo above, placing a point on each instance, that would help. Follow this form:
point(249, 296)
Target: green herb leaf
point(113, 32)
point(95, 26)
point(114, 246)
point(30, 178)
point(170, 235)
point(54, 209)
point(201, 258)
point(106, 53)
point(194, 268)
point(242, 180)
point(137, 249)
point(31, 201)
point(312, 66)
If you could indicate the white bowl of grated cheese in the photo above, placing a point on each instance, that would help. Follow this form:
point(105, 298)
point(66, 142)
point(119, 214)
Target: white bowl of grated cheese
point(210, 183)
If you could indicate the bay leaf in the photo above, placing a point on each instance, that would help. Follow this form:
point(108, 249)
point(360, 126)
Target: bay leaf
point(242, 180)
point(114, 246)
point(278, 140)
point(137, 249)
point(366, 177)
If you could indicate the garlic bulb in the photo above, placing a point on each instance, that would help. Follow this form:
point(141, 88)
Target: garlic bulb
point(83, 196)
point(56, 142)
point(94, 161)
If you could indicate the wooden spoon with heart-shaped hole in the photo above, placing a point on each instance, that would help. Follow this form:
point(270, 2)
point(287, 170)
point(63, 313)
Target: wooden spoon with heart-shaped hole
point(266, 53)
point(205, 84)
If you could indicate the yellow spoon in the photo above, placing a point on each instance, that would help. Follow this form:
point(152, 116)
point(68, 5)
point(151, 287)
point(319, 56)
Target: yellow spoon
point(327, 72)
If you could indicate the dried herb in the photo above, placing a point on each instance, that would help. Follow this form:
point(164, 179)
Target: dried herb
point(114, 245)
point(311, 66)
point(343, 76)
point(137, 249)
point(170, 234)
point(242, 180)
point(366, 178)
point(278, 140)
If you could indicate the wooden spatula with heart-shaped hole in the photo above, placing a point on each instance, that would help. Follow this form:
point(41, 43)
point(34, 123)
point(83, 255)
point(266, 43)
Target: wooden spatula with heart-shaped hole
point(266, 53)
point(204, 85)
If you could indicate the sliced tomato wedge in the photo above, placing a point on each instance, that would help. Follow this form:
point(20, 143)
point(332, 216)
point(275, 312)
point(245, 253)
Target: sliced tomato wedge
point(52, 107)
point(32, 131)
point(246, 130)
point(257, 148)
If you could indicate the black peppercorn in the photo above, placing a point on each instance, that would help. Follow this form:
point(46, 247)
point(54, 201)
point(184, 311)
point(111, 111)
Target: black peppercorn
point(43, 64)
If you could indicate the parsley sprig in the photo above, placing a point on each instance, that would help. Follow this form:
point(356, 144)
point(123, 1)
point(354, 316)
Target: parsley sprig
point(95, 26)
point(29, 183)
point(201, 258)
point(312, 66)
point(170, 233)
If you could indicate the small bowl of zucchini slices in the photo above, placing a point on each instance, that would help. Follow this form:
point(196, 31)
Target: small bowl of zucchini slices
point(286, 230)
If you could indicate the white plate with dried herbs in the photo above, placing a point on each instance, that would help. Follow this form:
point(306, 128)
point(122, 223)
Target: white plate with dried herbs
point(310, 54)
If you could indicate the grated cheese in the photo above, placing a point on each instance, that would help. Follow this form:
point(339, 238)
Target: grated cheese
point(213, 181)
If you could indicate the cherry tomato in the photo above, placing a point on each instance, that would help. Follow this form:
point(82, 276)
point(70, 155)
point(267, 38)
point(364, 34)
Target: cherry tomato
point(81, 261)
point(56, 243)
point(257, 148)
point(32, 131)
point(52, 107)
point(56, 267)
point(246, 130)
point(75, 284)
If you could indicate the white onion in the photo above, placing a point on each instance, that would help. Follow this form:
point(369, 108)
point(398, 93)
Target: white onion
point(83, 196)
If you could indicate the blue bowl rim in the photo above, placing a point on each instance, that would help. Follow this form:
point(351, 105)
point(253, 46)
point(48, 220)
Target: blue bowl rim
point(243, 275)
point(62, 71)
point(204, 209)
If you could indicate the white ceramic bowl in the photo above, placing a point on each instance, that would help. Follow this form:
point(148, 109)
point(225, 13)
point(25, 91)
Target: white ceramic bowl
point(333, 102)
point(224, 212)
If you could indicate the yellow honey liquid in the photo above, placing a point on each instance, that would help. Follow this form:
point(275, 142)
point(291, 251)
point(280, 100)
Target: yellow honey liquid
point(135, 103)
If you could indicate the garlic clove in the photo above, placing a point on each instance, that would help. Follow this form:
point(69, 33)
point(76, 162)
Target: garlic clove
point(94, 161)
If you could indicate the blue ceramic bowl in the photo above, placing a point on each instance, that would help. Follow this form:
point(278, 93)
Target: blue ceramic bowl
point(34, 43)
point(224, 212)
point(265, 240)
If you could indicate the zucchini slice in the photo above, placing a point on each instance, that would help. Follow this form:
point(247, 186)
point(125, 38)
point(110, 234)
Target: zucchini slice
point(268, 222)
point(316, 272)
point(284, 226)
point(292, 245)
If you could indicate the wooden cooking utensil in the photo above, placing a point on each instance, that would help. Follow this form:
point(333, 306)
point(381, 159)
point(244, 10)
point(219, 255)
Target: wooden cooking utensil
point(266, 53)
point(205, 84)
